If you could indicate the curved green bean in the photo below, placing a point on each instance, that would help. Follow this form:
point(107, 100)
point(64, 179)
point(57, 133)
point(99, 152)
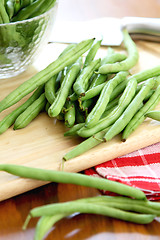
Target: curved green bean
point(9, 8)
point(43, 76)
point(129, 112)
point(139, 117)
point(126, 64)
point(73, 178)
point(99, 108)
point(63, 92)
point(72, 131)
point(30, 113)
point(3, 14)
point(50, 91)
point(154, 115)
point(7, 121)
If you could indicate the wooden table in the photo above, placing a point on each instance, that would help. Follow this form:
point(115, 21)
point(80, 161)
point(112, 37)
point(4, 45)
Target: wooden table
point(14, 211)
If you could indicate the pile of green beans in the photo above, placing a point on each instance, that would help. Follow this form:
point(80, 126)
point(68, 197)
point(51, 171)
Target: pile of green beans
point(18, 10)
point(92, 103)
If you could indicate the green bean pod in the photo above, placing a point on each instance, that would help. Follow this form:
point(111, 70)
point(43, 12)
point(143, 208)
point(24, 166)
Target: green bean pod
point(82, 80)
point(50, 91)
point(130, 111)
point(3, 14)
point(43, 76)
point(44, 225)
point(7, 121)
point(92, 52)
point(154, 115)
point(126, 64)
point(103, 100)
point(10, 8)
point(140, 116)
point(73, 178)
point(72, 207)
point(123, 102)
point(44, 7)
point(63, 92)
point(70, 115)
point(30, 113)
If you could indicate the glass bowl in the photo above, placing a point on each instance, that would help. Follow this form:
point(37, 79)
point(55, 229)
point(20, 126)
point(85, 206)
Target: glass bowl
point(21, 42)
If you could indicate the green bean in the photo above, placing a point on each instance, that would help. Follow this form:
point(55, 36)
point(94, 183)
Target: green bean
point(124, 101)
point(72, 131)
point(139, 117)
point(30, 113)
point(25, 3)
point(72, 207)
point(82, 80)
point(7, 121)
point(9, 8)
point(50, 89)
point(47, 107)
point(43, 76)
point(86, 145)
point(44, 225)
point(72, 178)
point(92, 52)
point(63, 92)
point(103, 100)
point(70, 116)
point(125, 64)
point(129, 112)
point(154, 115)
point(80, 117)
point(92, 92)
point(17, 6)
point(3, 14)
point(26, 11)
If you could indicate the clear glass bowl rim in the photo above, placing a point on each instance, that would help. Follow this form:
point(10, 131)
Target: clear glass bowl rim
point(30, 19)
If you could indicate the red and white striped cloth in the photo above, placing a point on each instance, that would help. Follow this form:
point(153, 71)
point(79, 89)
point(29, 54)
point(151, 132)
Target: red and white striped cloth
point(140, 169)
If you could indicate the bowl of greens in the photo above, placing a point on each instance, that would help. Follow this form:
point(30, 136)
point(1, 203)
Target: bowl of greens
point(24, 29)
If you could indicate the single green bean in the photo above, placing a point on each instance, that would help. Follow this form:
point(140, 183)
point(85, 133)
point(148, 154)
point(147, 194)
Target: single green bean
point(63, 92)
point(92, 52)
point(44, 225)
point(7, 121)
point(17, 6)
point(3, 14)
point(103, 100)
point(73, 178)
point(50, 91)
point(139, 117)
point(72, 207)
point(9, 8)
point(30, 113)
point(126, 64)
point(130, 111)
point(82, 80)
point(43, 76)
point(154, 115)
point(123, 102)
point(70, 115)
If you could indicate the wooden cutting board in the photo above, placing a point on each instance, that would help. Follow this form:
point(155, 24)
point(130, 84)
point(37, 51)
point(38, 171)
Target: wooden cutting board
point(42, 144)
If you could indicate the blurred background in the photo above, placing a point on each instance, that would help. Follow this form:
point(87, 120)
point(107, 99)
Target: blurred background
point(88, 9)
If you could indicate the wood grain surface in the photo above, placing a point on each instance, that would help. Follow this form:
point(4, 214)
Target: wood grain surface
point(14, 210)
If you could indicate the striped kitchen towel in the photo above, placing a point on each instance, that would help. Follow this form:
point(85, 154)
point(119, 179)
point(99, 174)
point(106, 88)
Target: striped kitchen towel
point(140, 169)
